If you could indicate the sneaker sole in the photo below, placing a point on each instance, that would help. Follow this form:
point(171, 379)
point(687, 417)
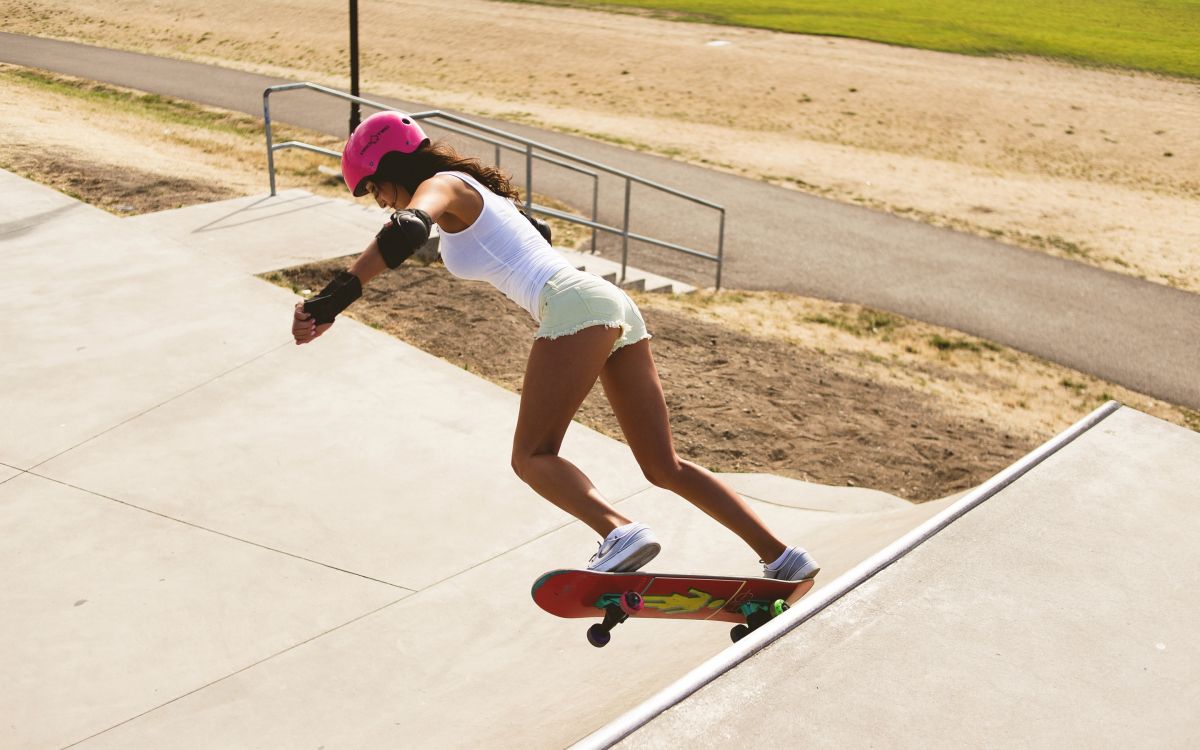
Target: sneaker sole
point(807, 576)
point(638, 559)
point(635, 560)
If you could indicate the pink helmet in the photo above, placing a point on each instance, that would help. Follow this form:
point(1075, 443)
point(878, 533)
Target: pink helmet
point(374, 137)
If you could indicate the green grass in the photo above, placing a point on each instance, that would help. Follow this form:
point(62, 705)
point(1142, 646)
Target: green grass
point(1152, 35)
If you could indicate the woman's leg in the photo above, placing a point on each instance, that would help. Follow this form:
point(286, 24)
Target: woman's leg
point(558, 377)
point(631, 383)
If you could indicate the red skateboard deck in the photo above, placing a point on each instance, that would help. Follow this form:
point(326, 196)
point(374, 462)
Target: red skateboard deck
point(617, 596)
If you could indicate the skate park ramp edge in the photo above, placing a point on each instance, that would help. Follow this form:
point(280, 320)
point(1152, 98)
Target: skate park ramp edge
point(1059, 612)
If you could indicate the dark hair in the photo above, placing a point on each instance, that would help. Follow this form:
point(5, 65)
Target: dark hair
point(410, 170)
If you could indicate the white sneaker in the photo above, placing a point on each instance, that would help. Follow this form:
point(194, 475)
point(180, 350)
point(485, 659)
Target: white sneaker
point(625, 549)
point(793, 565)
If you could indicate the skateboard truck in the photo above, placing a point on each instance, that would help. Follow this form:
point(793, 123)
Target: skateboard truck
point(757, 614)
point(617, 609)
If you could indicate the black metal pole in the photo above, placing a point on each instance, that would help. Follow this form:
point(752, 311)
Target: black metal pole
point(354, 111)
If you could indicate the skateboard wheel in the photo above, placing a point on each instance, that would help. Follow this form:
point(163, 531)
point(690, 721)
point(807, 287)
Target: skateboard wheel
point(757, 619)
point(738, 633)
point(598, 636)
point(631, 603)
point(778, 608)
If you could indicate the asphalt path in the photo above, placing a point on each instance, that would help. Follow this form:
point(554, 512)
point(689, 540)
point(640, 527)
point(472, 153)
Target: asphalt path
point(1141, 335)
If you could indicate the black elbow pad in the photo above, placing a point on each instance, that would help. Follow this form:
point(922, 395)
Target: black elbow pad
point(403, 235)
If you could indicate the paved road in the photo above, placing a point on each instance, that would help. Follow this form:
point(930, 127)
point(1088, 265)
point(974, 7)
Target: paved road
point(1134, 333)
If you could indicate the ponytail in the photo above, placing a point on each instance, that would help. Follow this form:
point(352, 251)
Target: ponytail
point(410, 170)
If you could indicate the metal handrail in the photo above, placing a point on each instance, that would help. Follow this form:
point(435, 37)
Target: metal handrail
point(503, 140)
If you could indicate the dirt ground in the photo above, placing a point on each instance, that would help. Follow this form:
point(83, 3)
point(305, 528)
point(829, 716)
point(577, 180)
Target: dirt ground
point(757, 381)
point(1096, 165)
point(126, 191)
point(84, 140)
point(739, 401)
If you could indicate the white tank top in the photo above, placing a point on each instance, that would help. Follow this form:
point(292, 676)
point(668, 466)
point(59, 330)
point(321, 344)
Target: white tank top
point(502, 248)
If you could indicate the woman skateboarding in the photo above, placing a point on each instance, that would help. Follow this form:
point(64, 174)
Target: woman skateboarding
point(589, 329)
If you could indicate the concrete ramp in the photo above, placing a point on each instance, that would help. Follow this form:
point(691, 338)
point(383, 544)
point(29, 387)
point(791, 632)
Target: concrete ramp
point(214, 538)
point(1061, 612)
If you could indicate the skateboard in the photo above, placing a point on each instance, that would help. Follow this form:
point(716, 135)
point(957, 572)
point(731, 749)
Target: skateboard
point(615, 597)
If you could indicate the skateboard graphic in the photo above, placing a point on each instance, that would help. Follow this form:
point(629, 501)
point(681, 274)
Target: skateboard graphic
point(616, 597)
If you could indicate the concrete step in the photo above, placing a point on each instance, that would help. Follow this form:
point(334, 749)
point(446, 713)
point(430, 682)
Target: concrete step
point(635, 278)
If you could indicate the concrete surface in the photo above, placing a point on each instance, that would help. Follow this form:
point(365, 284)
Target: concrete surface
point(808, 496)
point(259, 233)
point(1060, 613)
point(214, 538)
point(111, 611)
point(101, 325)
point(1131, 332)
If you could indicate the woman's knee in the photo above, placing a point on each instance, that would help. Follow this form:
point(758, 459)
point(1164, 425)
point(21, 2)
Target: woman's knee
point(522, 461)
point(664, 472)
point(520, 464)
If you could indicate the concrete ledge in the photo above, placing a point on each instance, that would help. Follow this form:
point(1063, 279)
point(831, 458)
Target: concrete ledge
point(1060, 613)
point(705, 674)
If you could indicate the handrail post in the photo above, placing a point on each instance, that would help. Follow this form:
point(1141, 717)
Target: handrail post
point(721, 250)
point(625, 230)
point(595, 207)
point(270, 150)
point(529, 178)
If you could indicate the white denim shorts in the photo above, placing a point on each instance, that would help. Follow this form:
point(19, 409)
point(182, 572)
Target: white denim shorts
point(573, 300)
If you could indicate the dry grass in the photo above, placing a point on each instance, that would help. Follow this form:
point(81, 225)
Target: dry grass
point(966, 376)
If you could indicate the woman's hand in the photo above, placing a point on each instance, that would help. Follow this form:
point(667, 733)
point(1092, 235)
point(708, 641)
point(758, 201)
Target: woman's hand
point(304, 328)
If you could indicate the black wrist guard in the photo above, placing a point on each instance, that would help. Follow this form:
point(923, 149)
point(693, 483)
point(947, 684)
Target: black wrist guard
point(403, 235)
point(335, 297)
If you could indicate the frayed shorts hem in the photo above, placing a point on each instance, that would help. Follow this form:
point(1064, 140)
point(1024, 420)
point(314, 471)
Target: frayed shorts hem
point(573, 300)
point(623, 340)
